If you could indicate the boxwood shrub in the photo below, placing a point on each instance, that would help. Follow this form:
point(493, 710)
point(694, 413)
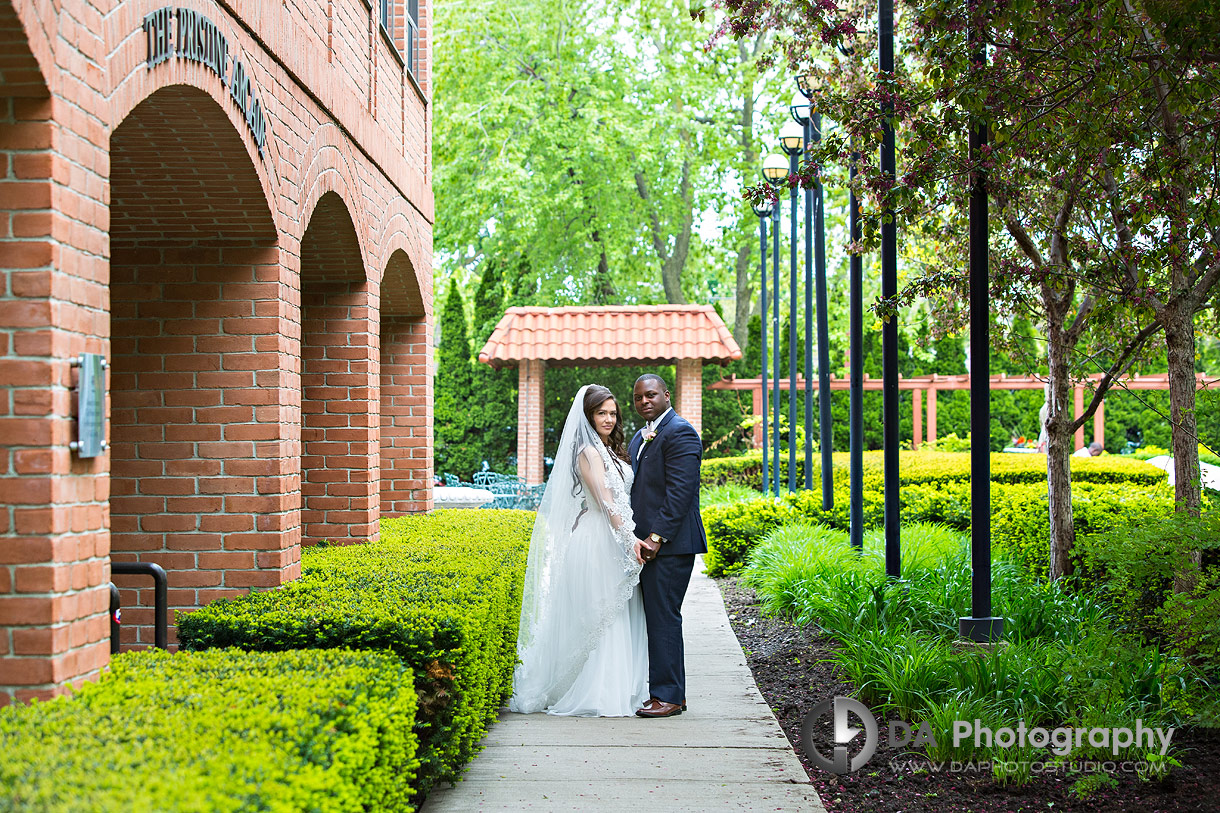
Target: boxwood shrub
point(218, 731)
point(940, 467)
point(441, 591)
point(1019, 515)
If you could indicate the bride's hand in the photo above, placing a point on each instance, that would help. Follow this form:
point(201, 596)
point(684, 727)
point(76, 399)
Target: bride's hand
point(639, 544)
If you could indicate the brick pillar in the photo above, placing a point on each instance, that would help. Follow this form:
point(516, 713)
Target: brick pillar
point(916, 418)
point(53, 537)
point(756, 398)
point(932, 411)
point(339, 433)
point(689, 391)
point(406, 415)
point(530, 413)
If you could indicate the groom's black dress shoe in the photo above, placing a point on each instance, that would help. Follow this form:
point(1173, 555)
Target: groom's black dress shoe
point(659, 708)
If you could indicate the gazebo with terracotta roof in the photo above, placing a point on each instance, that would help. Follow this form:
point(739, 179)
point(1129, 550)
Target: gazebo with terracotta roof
point(532, 338)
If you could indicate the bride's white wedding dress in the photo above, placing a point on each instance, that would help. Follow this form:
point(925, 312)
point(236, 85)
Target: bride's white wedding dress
point(582, 641)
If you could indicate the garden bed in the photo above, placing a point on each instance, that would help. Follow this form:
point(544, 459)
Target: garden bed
point(790, 665)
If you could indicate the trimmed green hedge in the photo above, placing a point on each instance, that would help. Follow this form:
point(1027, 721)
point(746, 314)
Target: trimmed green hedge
point(927, 467)
point(223, 730)
point(442, 591)
point(1019, 516)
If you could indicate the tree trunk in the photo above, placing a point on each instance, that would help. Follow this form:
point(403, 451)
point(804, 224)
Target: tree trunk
point(1177, 321)
point(1059, 439)
point(744, 293)
point(603, 284)
point(744, 302)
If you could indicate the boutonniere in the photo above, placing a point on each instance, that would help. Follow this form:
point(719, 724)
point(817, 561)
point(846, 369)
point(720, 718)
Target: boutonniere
point(649, 434)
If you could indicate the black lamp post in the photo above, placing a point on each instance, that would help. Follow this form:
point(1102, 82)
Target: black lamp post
point(815, 254)
point(889, 288)
point(855, 419)
point(792, 140)
point(775, 172)
point(763, 210)
point(980, 625)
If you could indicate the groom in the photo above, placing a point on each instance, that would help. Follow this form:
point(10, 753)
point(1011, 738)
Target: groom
point(665, 455)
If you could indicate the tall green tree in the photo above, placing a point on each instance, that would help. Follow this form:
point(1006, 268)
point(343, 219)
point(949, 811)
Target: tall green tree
point(457, 446)
point(493, 403)
point(597, 140)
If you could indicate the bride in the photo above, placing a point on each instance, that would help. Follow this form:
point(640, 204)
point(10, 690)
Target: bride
point(582, 641)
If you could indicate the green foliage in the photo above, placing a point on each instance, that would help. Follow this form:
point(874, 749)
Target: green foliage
point(590, 138)
point(811, 574)
point(725, 495)
point(1139, 558)
point(442, 592)
point(492, 403)
point(935, 488)
point(1155, 766)
point(1087, 785)
point(1062, 663)
point(948, 443)
point(218, 731)
point(1013, 766)
point(935, 466)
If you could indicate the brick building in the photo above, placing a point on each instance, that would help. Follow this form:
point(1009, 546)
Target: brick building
point(229, 201)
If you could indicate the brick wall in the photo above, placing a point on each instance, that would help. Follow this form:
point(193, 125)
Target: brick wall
point(198, 455)
point(238, 296)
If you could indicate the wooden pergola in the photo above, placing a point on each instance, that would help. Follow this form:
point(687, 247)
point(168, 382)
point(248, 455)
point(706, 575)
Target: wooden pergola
point(533, 338)
point(932, 384)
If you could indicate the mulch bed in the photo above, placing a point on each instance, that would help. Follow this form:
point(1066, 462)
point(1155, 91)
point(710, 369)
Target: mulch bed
point(789, 667)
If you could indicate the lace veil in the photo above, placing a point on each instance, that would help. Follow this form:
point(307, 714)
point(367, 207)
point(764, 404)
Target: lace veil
point(581, 568)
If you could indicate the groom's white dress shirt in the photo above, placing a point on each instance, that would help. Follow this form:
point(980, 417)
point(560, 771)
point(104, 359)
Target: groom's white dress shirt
point(648, 427)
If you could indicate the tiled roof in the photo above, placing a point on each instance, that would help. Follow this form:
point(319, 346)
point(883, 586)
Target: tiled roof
point(610, 336)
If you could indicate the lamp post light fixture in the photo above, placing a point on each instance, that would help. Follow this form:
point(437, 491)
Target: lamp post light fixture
point(775, 169)
point(804, 83)
point(792, 140)
point(775, 172)
point(763, 210)
point(815, 275)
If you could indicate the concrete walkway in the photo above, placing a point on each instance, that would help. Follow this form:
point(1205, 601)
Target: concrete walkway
point(726, 753)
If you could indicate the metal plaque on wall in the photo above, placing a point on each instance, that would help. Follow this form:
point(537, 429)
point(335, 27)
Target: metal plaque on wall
point(90, 406)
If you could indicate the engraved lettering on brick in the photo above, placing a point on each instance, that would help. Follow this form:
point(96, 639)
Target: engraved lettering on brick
point(189, 35)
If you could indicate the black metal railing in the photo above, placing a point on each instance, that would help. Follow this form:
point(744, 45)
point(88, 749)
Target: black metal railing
point(160, 601)
point(115, 619)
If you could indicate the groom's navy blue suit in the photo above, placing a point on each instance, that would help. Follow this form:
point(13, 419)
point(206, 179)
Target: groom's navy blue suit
point(665, 501)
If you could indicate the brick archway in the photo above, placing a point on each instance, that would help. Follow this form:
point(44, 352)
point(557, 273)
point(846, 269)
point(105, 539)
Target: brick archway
point(197, 445)
point(339, 496)
point(406, 391)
